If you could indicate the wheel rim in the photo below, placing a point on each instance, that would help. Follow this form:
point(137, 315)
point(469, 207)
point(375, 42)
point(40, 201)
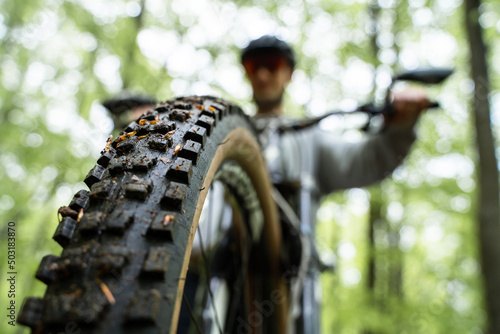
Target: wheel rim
point(244, 150)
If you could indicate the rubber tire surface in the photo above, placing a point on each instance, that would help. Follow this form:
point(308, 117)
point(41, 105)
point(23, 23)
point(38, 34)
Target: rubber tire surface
point(126, 253)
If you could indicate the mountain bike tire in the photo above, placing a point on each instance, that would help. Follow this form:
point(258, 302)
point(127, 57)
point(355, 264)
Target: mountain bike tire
point(127, 242)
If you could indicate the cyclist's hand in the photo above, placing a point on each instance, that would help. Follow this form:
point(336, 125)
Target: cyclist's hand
point(407, 106)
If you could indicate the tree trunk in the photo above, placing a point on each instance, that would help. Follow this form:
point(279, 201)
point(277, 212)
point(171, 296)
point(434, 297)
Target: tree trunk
point(488, 201)
point(375, 198)
point(371, 270)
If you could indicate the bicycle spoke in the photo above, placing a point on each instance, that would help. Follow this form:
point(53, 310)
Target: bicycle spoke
point(223, 242)
point(191, 314)
point(207, 277)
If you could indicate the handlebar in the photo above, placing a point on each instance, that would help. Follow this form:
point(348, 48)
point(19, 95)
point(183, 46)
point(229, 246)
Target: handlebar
point(425, 76)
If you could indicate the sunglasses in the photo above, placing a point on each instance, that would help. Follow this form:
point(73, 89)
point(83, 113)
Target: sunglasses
point(269, 62)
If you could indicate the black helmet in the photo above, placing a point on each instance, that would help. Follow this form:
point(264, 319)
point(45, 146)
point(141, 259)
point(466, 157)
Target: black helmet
point(269, 44)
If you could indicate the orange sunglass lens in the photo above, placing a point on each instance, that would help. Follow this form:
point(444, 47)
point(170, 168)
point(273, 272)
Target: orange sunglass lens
point(270, 63)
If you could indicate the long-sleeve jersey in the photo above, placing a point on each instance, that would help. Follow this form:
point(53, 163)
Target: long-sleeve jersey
point(323, 162)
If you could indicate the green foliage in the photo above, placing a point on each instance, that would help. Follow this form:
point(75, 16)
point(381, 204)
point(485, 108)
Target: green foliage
point(58, 59)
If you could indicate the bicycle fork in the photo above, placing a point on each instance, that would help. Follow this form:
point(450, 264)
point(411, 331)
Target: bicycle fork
point(311, 290)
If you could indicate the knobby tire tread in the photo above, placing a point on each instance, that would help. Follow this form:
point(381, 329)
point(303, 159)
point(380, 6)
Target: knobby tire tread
point(119, 271)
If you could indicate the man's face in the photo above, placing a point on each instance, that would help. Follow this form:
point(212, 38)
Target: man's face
point(269, 74)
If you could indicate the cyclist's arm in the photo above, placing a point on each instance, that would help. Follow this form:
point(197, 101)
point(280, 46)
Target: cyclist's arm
point(343, 164)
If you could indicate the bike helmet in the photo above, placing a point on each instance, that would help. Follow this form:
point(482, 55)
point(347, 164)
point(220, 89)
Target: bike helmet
point(268, 44)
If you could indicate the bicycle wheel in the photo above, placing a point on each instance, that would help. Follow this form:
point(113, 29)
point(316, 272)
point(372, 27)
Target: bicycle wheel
point(221, 289)
point(127, 243)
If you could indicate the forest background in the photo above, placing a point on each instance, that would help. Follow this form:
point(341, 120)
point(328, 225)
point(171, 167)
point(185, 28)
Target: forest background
point(409, 251)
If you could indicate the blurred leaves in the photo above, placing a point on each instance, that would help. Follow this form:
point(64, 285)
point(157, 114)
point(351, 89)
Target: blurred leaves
point(58, 59)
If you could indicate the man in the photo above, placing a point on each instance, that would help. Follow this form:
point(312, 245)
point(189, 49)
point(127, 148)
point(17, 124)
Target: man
point(310, 163)
point(269, 64)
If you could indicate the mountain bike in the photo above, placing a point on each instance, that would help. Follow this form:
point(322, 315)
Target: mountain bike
point(182, 231)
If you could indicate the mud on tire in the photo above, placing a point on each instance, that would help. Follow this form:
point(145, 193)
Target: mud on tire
point(126, 242)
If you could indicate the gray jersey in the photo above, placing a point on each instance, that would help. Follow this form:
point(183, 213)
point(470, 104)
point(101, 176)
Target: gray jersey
point(323, 162)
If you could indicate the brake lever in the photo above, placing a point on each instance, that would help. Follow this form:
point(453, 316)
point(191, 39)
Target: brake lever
point(433, 104)
point(387, 109)
point(425, 76)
